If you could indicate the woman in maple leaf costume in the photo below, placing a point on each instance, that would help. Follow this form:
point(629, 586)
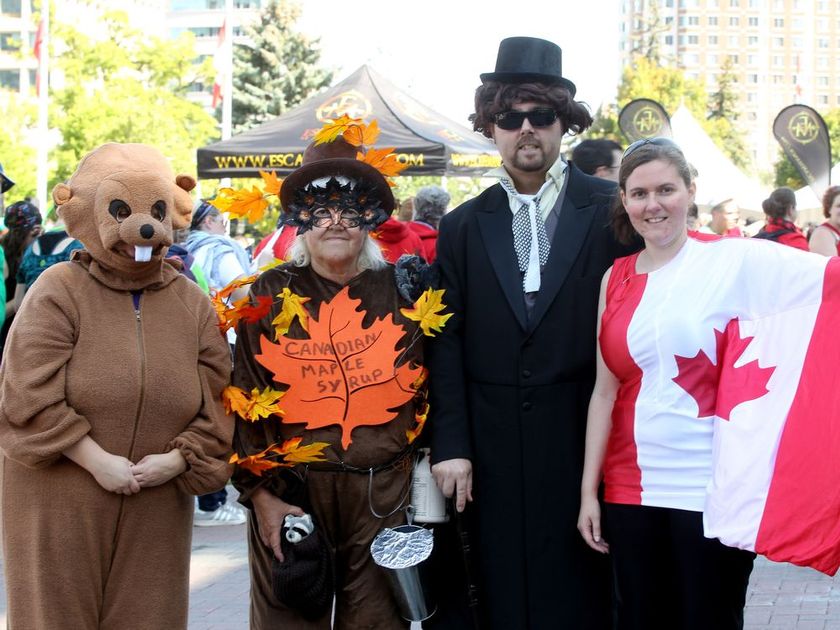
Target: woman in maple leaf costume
point(713, 418)
point(110, 409)
point(349, 364)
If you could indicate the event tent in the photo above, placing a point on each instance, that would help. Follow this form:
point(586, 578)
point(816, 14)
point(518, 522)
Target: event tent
point(428, 142)
point(718, 178)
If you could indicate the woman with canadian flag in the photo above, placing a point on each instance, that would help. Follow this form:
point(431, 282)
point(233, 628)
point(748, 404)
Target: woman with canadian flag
point(713, 419)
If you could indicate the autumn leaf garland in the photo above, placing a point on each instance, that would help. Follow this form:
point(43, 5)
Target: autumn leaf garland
point(252, 203)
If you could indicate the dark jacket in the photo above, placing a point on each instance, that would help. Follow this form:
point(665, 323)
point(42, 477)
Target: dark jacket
point(511, 393)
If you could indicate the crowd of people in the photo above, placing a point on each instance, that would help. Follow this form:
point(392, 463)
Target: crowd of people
point(576, 454)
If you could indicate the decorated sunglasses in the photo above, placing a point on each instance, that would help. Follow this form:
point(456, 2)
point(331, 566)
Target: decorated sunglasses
point(513, 119)
point(659, 141)
point(322, 217)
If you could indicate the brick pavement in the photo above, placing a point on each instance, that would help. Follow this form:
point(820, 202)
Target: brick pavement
point(781, 596)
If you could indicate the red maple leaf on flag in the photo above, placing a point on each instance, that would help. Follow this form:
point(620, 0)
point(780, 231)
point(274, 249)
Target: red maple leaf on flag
point(719, 387)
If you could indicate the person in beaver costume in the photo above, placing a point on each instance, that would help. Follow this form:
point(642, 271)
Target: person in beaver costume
point(110, 409)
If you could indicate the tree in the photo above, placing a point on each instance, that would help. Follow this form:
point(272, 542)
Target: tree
point(127, 87)
point(722, 120)
point(277, 69)
point(16, 146)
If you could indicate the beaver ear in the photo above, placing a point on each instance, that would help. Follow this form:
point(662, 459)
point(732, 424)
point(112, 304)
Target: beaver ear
point(61, 194)
point(186, 182)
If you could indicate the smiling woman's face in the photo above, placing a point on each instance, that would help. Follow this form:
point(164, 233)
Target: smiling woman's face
point(656, 200)
point(335, 246)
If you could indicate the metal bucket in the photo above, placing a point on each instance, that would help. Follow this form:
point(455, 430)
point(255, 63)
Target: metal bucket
point(400, 551)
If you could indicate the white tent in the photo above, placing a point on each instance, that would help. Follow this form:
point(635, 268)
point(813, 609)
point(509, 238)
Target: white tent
point(805, 197)
point(718, 178)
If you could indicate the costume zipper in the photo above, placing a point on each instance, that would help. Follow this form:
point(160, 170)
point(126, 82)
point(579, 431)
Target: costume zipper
point(138, 324)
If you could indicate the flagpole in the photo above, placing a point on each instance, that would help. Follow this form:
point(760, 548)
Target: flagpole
point(43, 108)
point(227, 91)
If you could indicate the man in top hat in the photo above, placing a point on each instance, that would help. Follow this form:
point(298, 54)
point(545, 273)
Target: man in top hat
point(512, 372)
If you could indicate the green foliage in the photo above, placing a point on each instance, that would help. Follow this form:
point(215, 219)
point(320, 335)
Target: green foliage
point(668, 85)
point(722, 121)
point(277, 70)
point(17, 148)
point(127, 87)
point(785, 173)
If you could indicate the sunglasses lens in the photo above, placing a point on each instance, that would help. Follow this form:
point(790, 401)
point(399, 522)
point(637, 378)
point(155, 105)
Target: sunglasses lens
point(542, 117)
point(511, 120)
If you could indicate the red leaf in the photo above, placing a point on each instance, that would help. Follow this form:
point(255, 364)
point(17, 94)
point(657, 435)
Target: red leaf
point(256, 312)
point(719, 388)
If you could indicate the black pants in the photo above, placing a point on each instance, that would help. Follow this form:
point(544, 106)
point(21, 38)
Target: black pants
point(670, 576)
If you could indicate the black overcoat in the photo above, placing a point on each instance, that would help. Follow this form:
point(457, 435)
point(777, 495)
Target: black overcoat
point(511, 394)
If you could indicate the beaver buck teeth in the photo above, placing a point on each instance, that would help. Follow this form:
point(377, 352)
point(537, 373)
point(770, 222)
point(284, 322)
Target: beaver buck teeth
point(142, 253)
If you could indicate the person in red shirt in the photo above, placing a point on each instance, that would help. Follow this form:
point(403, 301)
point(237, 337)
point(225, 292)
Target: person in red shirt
point(395, 239)
point(725, 219)
point(430, 204)
point(825, 239)
point(780, 208)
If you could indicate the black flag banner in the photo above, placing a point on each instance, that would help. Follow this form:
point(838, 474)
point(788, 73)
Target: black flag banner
point(644, 118)
point(803, 134)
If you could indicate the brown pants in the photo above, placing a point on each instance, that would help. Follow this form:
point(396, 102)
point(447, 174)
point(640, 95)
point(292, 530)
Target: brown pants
point(340, 506)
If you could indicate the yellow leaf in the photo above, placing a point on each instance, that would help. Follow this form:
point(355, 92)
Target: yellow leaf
point(264, 404)
point(293, 453)
point(224, 198)
point(427, 310)
point(333, 129)
point(271, 265)
point(236, 400)
point(272, 183)
point(292, 307)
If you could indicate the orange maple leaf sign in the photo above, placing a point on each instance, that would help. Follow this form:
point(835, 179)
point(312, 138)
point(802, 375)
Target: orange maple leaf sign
point(720, 387)
point(344, 373)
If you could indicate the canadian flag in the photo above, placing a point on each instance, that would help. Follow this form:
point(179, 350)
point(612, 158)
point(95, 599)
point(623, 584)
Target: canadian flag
point(220, 64)
point(775, 486)
point(729, 360)
point(36, 52)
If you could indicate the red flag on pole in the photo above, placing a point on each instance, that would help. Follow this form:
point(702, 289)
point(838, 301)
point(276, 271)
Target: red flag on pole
point(219, 63)
point(36, 51)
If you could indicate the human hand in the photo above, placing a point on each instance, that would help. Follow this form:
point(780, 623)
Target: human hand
point(270, 512)
point(154, 470)
point(454, 476)
point(113, 473)
point(589, 524)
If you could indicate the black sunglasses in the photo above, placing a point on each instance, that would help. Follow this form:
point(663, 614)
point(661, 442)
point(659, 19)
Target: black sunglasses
point(513, 119)
point(659, 141)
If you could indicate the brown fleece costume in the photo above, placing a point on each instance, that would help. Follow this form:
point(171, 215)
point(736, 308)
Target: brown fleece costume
point(81, 360)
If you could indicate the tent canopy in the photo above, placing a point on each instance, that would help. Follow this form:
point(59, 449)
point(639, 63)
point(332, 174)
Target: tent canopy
point(718, 177)
point(428, 142)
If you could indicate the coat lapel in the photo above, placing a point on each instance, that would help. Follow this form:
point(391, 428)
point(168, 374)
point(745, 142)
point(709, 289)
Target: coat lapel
point(494, 223)
point(572, 227)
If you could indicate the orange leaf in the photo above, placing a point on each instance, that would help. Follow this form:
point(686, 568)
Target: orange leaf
point(233, 286)
point(344, 373)
point(254, 312)
point(223, 200)
point(333, 129)
point(383, 160)
point(236, 400)
point(420, 417)
point(272, 183)
point(250, 204)
point(256, 464)
point(371, 134)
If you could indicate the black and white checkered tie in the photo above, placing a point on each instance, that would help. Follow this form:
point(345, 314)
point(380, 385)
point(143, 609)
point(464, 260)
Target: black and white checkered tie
point(522, 233)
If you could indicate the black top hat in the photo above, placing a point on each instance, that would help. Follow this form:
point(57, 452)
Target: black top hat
point(524, 59)
point(5, 182)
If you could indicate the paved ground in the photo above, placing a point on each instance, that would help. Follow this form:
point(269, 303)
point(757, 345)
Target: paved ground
point(781, 596)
